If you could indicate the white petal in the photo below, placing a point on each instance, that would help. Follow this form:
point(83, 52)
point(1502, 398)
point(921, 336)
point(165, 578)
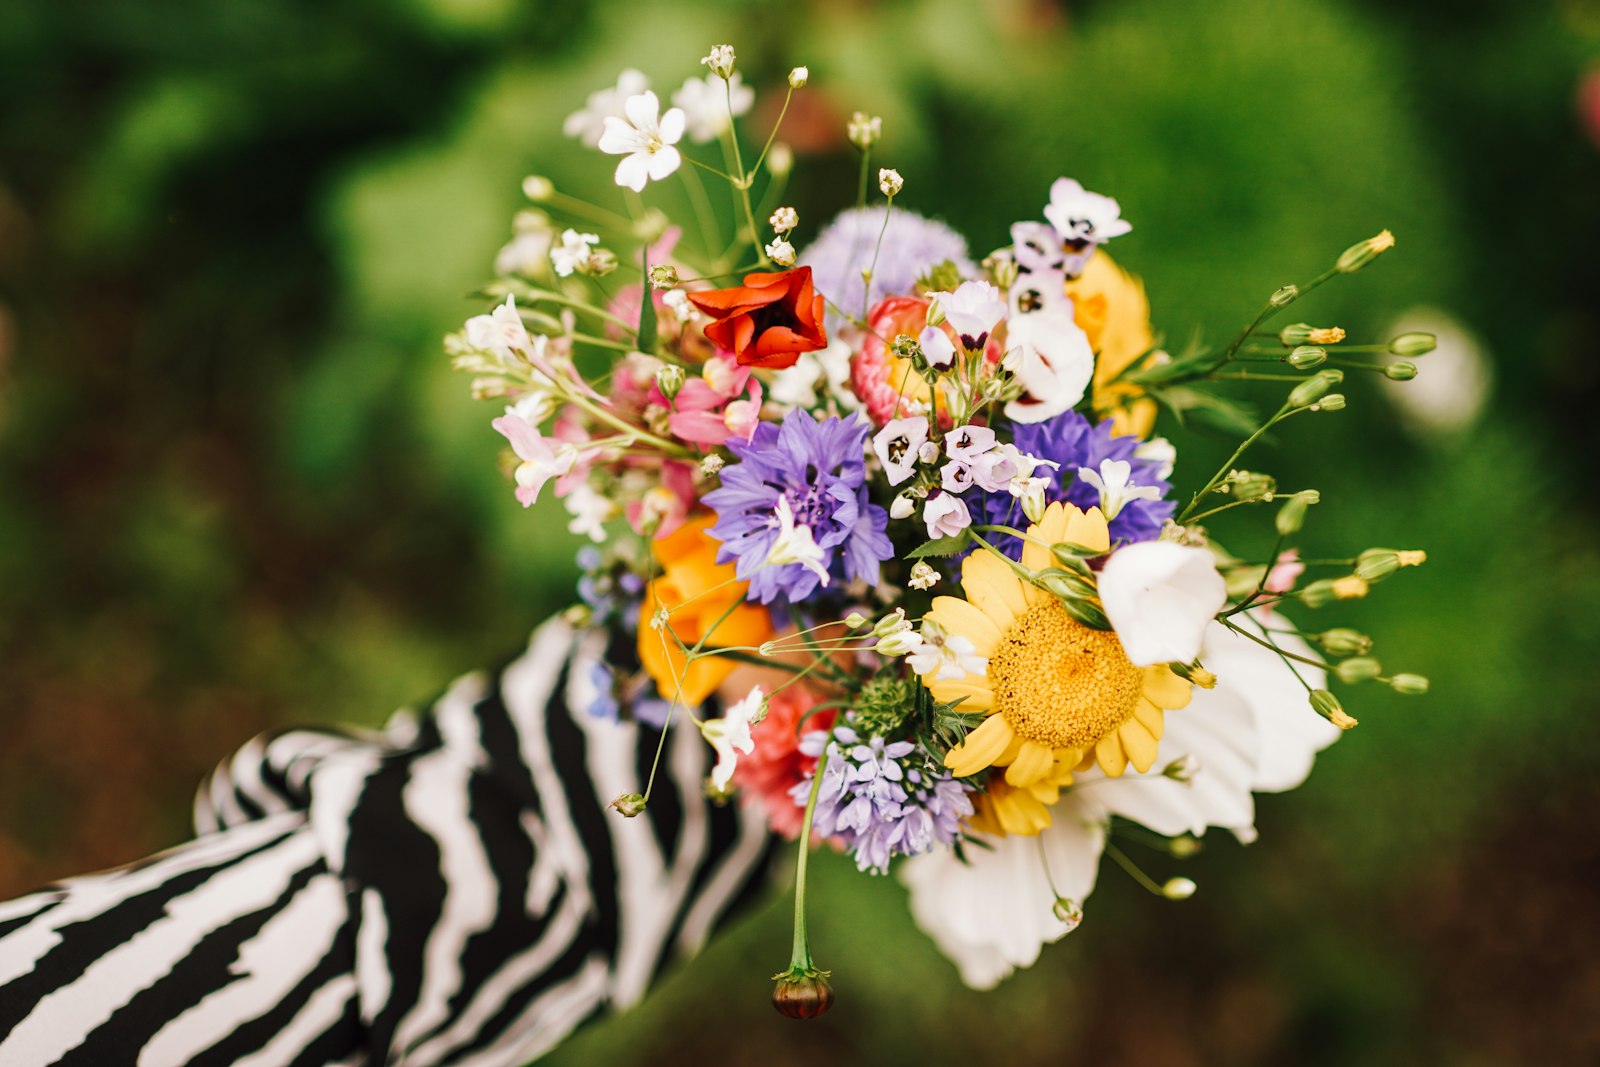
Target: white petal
point(1160, 597)
point(634, 171)
point(618, 137)
point(642, 110)
point(664, 162)
point(672, 125)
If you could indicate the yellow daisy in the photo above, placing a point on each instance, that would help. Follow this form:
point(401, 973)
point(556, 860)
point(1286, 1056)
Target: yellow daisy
point(1058, 695)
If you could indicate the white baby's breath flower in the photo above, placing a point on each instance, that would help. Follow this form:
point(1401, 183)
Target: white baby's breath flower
point(589, 121)
point(784, 220)
point(730, 735)
point(781, 252)
point(573, 253)
point(1115, 490)
point(720, 59)
point(864, 130)
point(711, 103)
point(799, 76)
point(501, 332)
point(589, 510)
point(644, 138)
point(949, 657)
point(677, 302)
point(712, 464)
point(890, 182)
point(923, 576)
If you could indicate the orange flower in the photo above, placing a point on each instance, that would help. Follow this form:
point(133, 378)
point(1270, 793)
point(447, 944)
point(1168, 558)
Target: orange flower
point(697, 591)
point(1110, 306)
point(769, 320)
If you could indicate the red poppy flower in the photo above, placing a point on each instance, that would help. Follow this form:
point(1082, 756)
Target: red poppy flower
point(769, 320)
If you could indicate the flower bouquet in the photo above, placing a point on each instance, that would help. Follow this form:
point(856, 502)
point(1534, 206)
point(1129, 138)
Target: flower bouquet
point(919, 490)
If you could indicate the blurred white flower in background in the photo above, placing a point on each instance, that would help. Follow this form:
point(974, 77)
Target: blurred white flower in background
point(706, 105)
point(589, 122)
point(1453, 382)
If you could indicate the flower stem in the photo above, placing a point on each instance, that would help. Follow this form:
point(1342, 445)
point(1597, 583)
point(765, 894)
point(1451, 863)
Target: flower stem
point(800, 957)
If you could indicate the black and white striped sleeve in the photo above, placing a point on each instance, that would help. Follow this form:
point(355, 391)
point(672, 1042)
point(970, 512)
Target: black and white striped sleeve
point(450, 891)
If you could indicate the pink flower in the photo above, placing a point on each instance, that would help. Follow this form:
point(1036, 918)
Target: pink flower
point(767, 775)
point(539, 463)
point(666, 504)
point(1282, 576)
point(724, 402)
point(946, 515)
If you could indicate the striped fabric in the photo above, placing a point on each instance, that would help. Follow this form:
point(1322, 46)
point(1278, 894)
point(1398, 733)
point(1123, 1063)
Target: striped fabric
point(449, 891)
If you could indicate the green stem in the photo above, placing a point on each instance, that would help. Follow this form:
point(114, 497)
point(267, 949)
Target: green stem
point(776, 126)
point(800, 957)
point(1222, 472)
point(745, 177)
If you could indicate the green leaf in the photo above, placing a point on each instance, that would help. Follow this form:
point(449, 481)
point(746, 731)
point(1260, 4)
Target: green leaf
point(1208, 410)
point(1087, 613)
point(941, 546)
point(647, 307)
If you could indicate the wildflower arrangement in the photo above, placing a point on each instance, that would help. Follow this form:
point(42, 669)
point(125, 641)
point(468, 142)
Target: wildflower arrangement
point(921, 489)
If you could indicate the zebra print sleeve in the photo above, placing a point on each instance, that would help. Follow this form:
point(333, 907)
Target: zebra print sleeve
point(451, 890)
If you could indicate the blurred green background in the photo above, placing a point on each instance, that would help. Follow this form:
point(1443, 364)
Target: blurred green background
point(240, 487)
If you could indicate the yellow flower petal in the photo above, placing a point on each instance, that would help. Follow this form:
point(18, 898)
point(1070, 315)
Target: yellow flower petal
point(1031, 764)
point(1151, 718)
point(1088, 528)
point(1021, 813)
point(973, 691)
point(1108, 753)
point(980, 747)
point(994, 587)
point(1165, 689)
point(959, 617)
point(1050, 528)
point(1138, 744)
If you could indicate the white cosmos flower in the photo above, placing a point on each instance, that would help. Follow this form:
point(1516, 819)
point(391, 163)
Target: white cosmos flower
point(795, 544)
point(589, 121)
point(1160, 596)
point(972, 311)
point(1116, 492)
point(1050, 355)
point(1252, 733)
point(730, 735)
point(706, 104)
point(897, 445)
point(644, 138)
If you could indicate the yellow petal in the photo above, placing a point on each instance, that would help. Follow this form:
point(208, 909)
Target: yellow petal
point(980, 747)
point(959, 617)
point(1030, 765)
point(1044, 533)
point(1108, 753)
point(1151, 718)
point(1165, 689)
point(1138, 744)
point(1021, 814)
point(993, 587)
point(1088, 528)
point(1011, 752)
point(973, 691)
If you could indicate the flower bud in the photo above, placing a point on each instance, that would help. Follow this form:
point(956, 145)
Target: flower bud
point(1343, 642)
point(1358, 669)
point(1182, 769)
point(855, 620)
point(1184, 847)
point(892, 623)
point(784, 220)
point(1307, 357)
point(903, 507)
point(1376, 564)
point(538, 188)
point(1413, 344)
point(1317, 593)
point(864, 130)
point(628, 804)
point(1068, 912)
point(712, 465)
point(890, 182)
point(780, 159)
point(1403, 371)
point(1314, 388)
point(935, 315)
point(1412, 685)
point(898, 644)
point(663, 277)
point(669, 379)
point(802, 994)
point(1331, 402)
point(1178, 888)
point(1034, 503)
point(1292, 515)
point(1327, 705)
point(1298, 333)
point(799, 76)
point(720, 60)
point(1350, 587)
point(1285, 296)
point(1359, 255)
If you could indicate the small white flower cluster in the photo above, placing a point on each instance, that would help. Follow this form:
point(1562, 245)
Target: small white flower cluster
point(576, 254)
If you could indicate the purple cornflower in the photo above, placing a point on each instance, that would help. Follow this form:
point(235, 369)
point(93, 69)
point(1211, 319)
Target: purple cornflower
point(820, 470)
point(1072, 441)
point(879, 799)
point(912, 246)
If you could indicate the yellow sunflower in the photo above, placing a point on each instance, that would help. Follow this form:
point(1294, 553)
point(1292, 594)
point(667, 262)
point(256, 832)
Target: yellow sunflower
point(1058, 695)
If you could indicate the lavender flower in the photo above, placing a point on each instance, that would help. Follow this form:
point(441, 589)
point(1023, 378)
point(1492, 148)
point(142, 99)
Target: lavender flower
point(911, 246)
point(819, 470)
point(879, 799)
point(1070, 440)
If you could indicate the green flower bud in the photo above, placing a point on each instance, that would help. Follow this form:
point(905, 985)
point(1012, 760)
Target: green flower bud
point(1358, 669)
point(1308, 357)
point(1343, 642)
point(1403, 371)
point(628, 804)
point(1184, 847)
point(1068, 912)
point(1331, 402)
point(1285, 296)
point(1413, 344)
point(538, 188)
point(1359, 255)
point(1327, 705)
point(663, 277)
point(669, 379)
point(1318, 593)
point(1315, 388)
point(1412, 685)
point(1377, 563)
point(1178, 888)
point(1292, 515)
